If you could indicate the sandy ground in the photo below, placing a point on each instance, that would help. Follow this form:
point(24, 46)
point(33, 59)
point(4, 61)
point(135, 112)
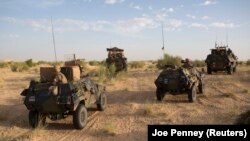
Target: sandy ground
point(131, 107)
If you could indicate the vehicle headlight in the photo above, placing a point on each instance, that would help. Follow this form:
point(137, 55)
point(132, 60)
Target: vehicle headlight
point(165, 80)
point(32, 98)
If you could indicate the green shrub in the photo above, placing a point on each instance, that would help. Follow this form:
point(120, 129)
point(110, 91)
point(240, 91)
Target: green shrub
point(19, 67)
point(111, 71)
point(106, 72)
point(83, 64)
point(3, 64)
point(199, 63)
point(248, 62)
point(168, 60)
point(94, 63)
point(137, 64)
point(60, 63)
point(29, 62)
point(151, 66)
point(102, 74)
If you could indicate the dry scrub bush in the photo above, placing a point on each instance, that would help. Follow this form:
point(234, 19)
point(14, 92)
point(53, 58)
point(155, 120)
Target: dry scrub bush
point(110, 129)
point(19, 67)
point(137, 64)
point(168, 60)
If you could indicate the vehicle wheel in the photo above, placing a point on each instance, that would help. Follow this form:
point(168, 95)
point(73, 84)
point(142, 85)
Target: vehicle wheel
point(192, 94)
point(36, 119)
point(209, 71)
point(160, 94)
point(80, 117)
point(101, 105)
point(201, 87)
point(230, 70)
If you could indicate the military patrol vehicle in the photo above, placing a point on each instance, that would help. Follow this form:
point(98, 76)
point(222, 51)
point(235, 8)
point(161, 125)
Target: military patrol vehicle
point(221, 59)
point(44, 99)
point(180, 80)
point(116, 57)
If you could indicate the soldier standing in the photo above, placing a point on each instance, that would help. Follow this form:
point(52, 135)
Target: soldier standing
point(187, 63)
point(59, 77)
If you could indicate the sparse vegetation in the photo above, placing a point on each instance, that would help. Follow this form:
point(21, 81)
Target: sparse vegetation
point(248, 62)
point(102, 74)
point(110, 129)
point(111, 71)
point(148, 108)
point(137, 64)
point(168, 59)
point(151, 66)
point(83, 65)
point(199, 63)
point(229, 95)
point(49, 63)
point(3, 65)
point(94, 63)
point(19, 67)
point(245, 91)
point(29, 62)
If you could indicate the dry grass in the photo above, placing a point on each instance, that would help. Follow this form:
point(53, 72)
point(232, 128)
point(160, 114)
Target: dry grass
point(229, 95)
point(136, 64)
point(245, 91)
point(148, 110)
point(110, 129)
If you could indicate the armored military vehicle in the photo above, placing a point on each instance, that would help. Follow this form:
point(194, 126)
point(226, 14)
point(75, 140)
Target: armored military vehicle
point(180, 80)
point(44, 99)
point(116, 57)
point(221, 59)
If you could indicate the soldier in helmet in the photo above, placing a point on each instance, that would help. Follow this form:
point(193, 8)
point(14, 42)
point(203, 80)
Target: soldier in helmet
point(59, 77)
point(187, 63)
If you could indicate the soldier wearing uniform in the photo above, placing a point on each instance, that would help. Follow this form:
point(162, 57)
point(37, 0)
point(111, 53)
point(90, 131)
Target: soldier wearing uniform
point(187, 63)
point(59, 77)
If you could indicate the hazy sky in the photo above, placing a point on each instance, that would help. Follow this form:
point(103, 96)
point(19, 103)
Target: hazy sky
point(86, 28)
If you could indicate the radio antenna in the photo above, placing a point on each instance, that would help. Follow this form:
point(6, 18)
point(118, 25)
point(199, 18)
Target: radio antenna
point(52, 28)
point(163, 43)
point(227, 38)
point(216, 39)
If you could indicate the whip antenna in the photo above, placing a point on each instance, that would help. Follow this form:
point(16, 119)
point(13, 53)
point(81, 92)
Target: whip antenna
point(163, 43)
point(52, 28)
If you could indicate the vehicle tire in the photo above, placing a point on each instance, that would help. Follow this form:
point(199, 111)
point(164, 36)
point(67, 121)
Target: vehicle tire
point(80, 117)
point(36, 119)
point(160, 94)
point(230, 70)
point(102, 103)
point(192, 94)
point(201, 87)
point(209, 71)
